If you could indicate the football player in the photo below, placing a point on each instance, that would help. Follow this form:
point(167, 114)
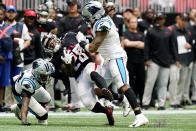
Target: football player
point(106, 41)
point(81, 65)
point(30, 94)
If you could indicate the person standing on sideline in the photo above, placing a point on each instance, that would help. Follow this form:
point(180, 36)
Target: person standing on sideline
point(6, 45)
point(134, 46)
point(35, 50)
point(158, 52)
point(21, 42)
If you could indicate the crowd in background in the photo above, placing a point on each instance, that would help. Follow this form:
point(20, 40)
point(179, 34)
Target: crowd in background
point(161, 60)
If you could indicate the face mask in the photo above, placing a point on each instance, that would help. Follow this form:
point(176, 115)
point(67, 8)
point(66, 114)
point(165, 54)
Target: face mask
point(42, 20)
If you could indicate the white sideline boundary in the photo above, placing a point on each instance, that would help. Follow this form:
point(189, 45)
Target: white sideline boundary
point(87, 113)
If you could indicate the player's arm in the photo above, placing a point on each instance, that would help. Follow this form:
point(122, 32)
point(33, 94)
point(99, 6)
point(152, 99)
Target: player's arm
point(26, 96)
point(24, 110)
point(135, 44)
point(26, 37)
point(27, 92)
point(99, 37)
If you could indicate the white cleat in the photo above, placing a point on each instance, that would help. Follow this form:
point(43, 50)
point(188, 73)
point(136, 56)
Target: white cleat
point(16, 110)
point(43, 122)
point(126, 107)
point(139, 121)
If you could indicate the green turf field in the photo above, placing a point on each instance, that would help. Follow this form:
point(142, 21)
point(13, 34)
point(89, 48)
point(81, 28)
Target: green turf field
point(163, 122)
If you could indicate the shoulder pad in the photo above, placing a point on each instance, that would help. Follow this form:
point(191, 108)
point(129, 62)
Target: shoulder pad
point(103, 25)
point(28, 85)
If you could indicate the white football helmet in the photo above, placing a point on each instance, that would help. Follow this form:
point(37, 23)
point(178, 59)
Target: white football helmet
point(42, 10)
point(93, 11)
point(42, 69)
point(51, 43)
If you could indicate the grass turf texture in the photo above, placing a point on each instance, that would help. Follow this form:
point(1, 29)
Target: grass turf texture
point(163, 122)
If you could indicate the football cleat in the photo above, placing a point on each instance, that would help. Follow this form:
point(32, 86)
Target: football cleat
point(25, 123)
point(110, 116)
point(43, 122)
point(107, 94)
point(139, 121)
point(16, 110)
point(126, 107)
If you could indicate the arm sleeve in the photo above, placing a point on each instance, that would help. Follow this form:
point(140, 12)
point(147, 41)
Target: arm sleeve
point(147, 47)
point(174, 47)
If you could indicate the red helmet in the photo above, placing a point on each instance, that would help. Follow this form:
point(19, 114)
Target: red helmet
point(30, 13)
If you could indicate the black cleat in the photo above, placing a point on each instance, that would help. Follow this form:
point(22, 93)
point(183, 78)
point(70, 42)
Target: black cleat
point(25, 123)
point(75, 109)
point(107, 94)
point(109, 115)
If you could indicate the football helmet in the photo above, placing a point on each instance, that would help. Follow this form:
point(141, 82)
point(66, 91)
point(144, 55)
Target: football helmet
point(51, 43)
point(69, 39)
point(93, 11)
point(42, 69)
point(42, 13)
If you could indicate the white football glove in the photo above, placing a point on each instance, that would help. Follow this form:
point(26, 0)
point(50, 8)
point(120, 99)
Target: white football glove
point(68, 55)
point(20, 42)
point(80, 37)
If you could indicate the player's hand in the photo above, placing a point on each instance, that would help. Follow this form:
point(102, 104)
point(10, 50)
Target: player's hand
point(147, 63)
point(187, 46)
point(80, 37)
point(177, 63)
point(67, 56)
point(25, 123)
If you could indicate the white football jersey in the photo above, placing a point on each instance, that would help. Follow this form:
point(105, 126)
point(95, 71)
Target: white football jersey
point(110, 48)
point(26, 81)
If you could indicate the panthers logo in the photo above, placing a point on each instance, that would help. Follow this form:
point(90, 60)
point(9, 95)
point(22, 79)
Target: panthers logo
point(93, 9)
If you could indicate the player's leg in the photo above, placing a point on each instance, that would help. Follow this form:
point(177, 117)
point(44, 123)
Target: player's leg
point(88, 97)
point(120, 74)
point(151, 76)
point(162, 82)
point(34, 107)
point(43, 98)
point(50, 88)
point(173, 84)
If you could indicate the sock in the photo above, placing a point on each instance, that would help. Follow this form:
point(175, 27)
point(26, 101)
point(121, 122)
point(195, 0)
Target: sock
point(121, 97)
point(137, 112)
point(98, 108)
point(131, 98)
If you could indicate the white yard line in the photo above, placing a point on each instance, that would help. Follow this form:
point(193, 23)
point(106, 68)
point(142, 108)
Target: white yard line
point(86, 113)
